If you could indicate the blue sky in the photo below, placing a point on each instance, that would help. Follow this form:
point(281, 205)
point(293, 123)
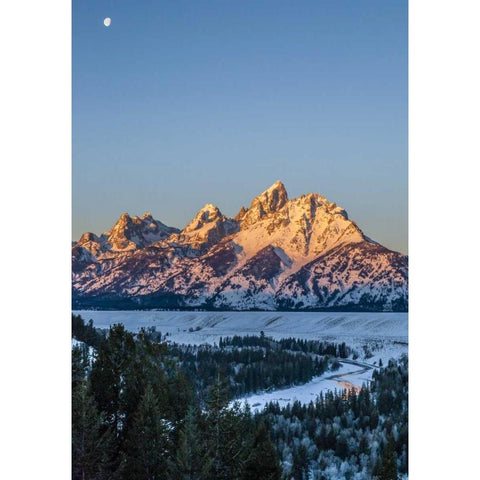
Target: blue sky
point(181, 103)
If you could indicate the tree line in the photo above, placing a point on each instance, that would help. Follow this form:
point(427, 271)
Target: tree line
point(247, 369)
point(318, 347)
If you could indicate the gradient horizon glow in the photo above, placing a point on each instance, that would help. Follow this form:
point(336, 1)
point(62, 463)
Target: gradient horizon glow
point(181, 103)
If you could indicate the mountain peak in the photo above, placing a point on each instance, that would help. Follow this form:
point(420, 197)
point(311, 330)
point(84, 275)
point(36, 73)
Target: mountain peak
point(88, 237)
point(276, 192)
point(278, 185)
point(210, 208)
point(271, 200)
point(207, 214)
point(130, 233)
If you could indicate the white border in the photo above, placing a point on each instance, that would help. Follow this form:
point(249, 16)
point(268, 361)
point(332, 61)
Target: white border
point(35, 106)
point(443, 241)
point(36, 199)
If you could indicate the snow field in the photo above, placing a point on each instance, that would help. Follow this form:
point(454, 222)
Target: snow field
point(374, 336)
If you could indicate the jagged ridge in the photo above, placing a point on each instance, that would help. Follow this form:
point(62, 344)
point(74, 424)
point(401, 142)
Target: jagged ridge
point(303, 253)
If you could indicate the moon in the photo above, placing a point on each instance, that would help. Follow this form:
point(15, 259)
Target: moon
point(107, 21)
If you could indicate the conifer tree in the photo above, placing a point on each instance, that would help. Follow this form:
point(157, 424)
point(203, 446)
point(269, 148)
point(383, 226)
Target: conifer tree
point(341, 449)
point(262, 463)
point(78, 367)
point(217, 402)
point(388, 468)
point(87, 440)
point(226, 436)
point(109, 374)
point(148, 442)
point(300, 463)
point(187, 464)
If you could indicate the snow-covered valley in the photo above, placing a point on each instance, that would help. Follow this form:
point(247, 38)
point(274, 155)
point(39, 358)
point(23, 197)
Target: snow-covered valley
point(198, 327)
point(374, 336)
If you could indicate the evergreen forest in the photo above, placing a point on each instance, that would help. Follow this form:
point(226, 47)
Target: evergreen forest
point(149, 409)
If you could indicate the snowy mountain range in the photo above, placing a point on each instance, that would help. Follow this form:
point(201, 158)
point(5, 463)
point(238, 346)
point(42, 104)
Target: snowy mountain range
point(280, 253)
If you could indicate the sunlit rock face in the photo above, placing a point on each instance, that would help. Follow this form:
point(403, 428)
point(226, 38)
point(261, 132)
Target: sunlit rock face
point(130, 233)
point(301, 253)
point(268, 202)
point(207, 228)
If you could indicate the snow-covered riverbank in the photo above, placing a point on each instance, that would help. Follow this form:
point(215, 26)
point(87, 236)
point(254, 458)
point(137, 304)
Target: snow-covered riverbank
point(347, 376)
